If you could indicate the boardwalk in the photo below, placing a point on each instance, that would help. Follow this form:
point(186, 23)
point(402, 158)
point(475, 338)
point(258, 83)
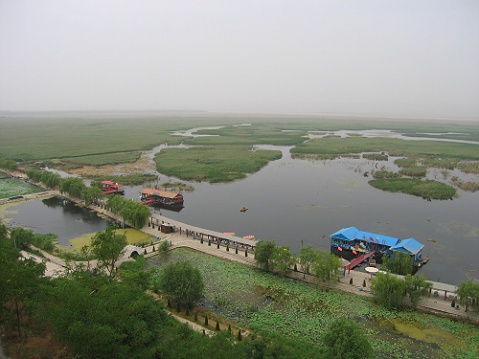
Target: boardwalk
point(357, 261)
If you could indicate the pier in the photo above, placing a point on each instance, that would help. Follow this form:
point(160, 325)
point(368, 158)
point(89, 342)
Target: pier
point(357, 261)
point(223, 239)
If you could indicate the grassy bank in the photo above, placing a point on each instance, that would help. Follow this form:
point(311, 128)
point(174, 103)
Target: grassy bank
point(13, 187)
point(273, 306)
point(429, 189)
point(213, 164)
point(395, 147)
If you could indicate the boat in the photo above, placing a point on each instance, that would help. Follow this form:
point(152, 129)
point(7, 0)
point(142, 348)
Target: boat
point(159, 196)
point(110, 187)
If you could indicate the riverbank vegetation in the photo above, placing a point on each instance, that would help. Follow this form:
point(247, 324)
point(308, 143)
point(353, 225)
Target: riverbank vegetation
point(213, 164)
point(428, 189)
point(241, 131)
point(10, 187)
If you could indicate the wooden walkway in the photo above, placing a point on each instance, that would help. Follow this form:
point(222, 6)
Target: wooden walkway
point(201, 233)
point(357, 261)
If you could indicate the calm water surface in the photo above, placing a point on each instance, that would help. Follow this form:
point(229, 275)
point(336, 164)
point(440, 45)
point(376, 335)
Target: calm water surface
point(300, 202)
point(295, 202)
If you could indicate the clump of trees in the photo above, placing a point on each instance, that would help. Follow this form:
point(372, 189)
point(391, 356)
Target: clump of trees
point(49, 179)
point(10, 165)
point(394, 292)
point(181, 282)
point(132, 212)
point(270, 257)
point(399, 263)
point(469, 294)
point(346, 339)
point(21, 238)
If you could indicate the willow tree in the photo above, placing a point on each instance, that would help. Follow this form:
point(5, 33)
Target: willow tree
point(107, 247)
point(263, 254)
point(468, 293)
point(182, 282)
point(283, 260)
point(74, 186)
point(325, 265)
point(388, 290)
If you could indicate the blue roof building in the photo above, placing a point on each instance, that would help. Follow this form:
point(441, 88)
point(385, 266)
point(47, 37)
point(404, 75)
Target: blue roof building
point(356, 240)
point(411, 247)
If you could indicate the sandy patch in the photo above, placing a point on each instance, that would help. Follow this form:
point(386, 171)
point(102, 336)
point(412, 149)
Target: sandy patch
point(142, 165)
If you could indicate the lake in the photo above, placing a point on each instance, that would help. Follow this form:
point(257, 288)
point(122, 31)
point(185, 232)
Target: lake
point(300, 202)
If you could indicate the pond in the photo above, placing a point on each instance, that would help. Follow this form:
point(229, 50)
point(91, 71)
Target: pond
point(54, 215)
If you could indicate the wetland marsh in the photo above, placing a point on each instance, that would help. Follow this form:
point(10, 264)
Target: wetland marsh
point(296, 201)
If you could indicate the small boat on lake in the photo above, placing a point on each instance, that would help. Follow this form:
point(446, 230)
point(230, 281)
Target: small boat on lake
point(110, 187)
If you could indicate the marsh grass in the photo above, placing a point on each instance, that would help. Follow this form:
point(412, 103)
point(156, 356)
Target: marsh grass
point(129, 179)
point(384, 174)
point(104, 159)
point(429, 189)
point(376, 156)
point(394, 147)
point(213, 163)
point(413, 171)
point(13, 187)
point(469, 167)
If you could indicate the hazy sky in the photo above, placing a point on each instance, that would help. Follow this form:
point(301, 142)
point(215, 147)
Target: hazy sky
point(384, 57)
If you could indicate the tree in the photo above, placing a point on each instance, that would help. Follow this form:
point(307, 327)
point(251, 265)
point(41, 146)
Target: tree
point(282, 259)
point(97, 319)
point(416, 287)
point(19, 280)
point(263, 254)
point(307, 256)
point(468, 294)
point(51, 180)
point(325, 265)
point(345, 339)
point(388, 290)
point(92, 193)
point(399, 263)
point(74, 186)
point(182, 282)
point(107, 247)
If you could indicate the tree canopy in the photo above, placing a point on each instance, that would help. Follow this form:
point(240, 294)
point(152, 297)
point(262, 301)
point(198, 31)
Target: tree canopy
point(399, 263)
point(345, 340)
point(263, 254)
point(182, 282)
point(468, 294)
point(107, 247)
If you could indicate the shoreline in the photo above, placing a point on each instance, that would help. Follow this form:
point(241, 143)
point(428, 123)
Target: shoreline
point(439, 305)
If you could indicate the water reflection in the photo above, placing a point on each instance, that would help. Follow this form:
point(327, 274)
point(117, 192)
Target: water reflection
point(54, 215)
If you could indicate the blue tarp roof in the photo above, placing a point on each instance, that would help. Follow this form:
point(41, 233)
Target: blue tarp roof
point(411, 245)
point(352, 233)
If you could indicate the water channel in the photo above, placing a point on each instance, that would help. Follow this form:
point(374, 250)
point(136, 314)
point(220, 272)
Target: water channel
point(299, 202)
